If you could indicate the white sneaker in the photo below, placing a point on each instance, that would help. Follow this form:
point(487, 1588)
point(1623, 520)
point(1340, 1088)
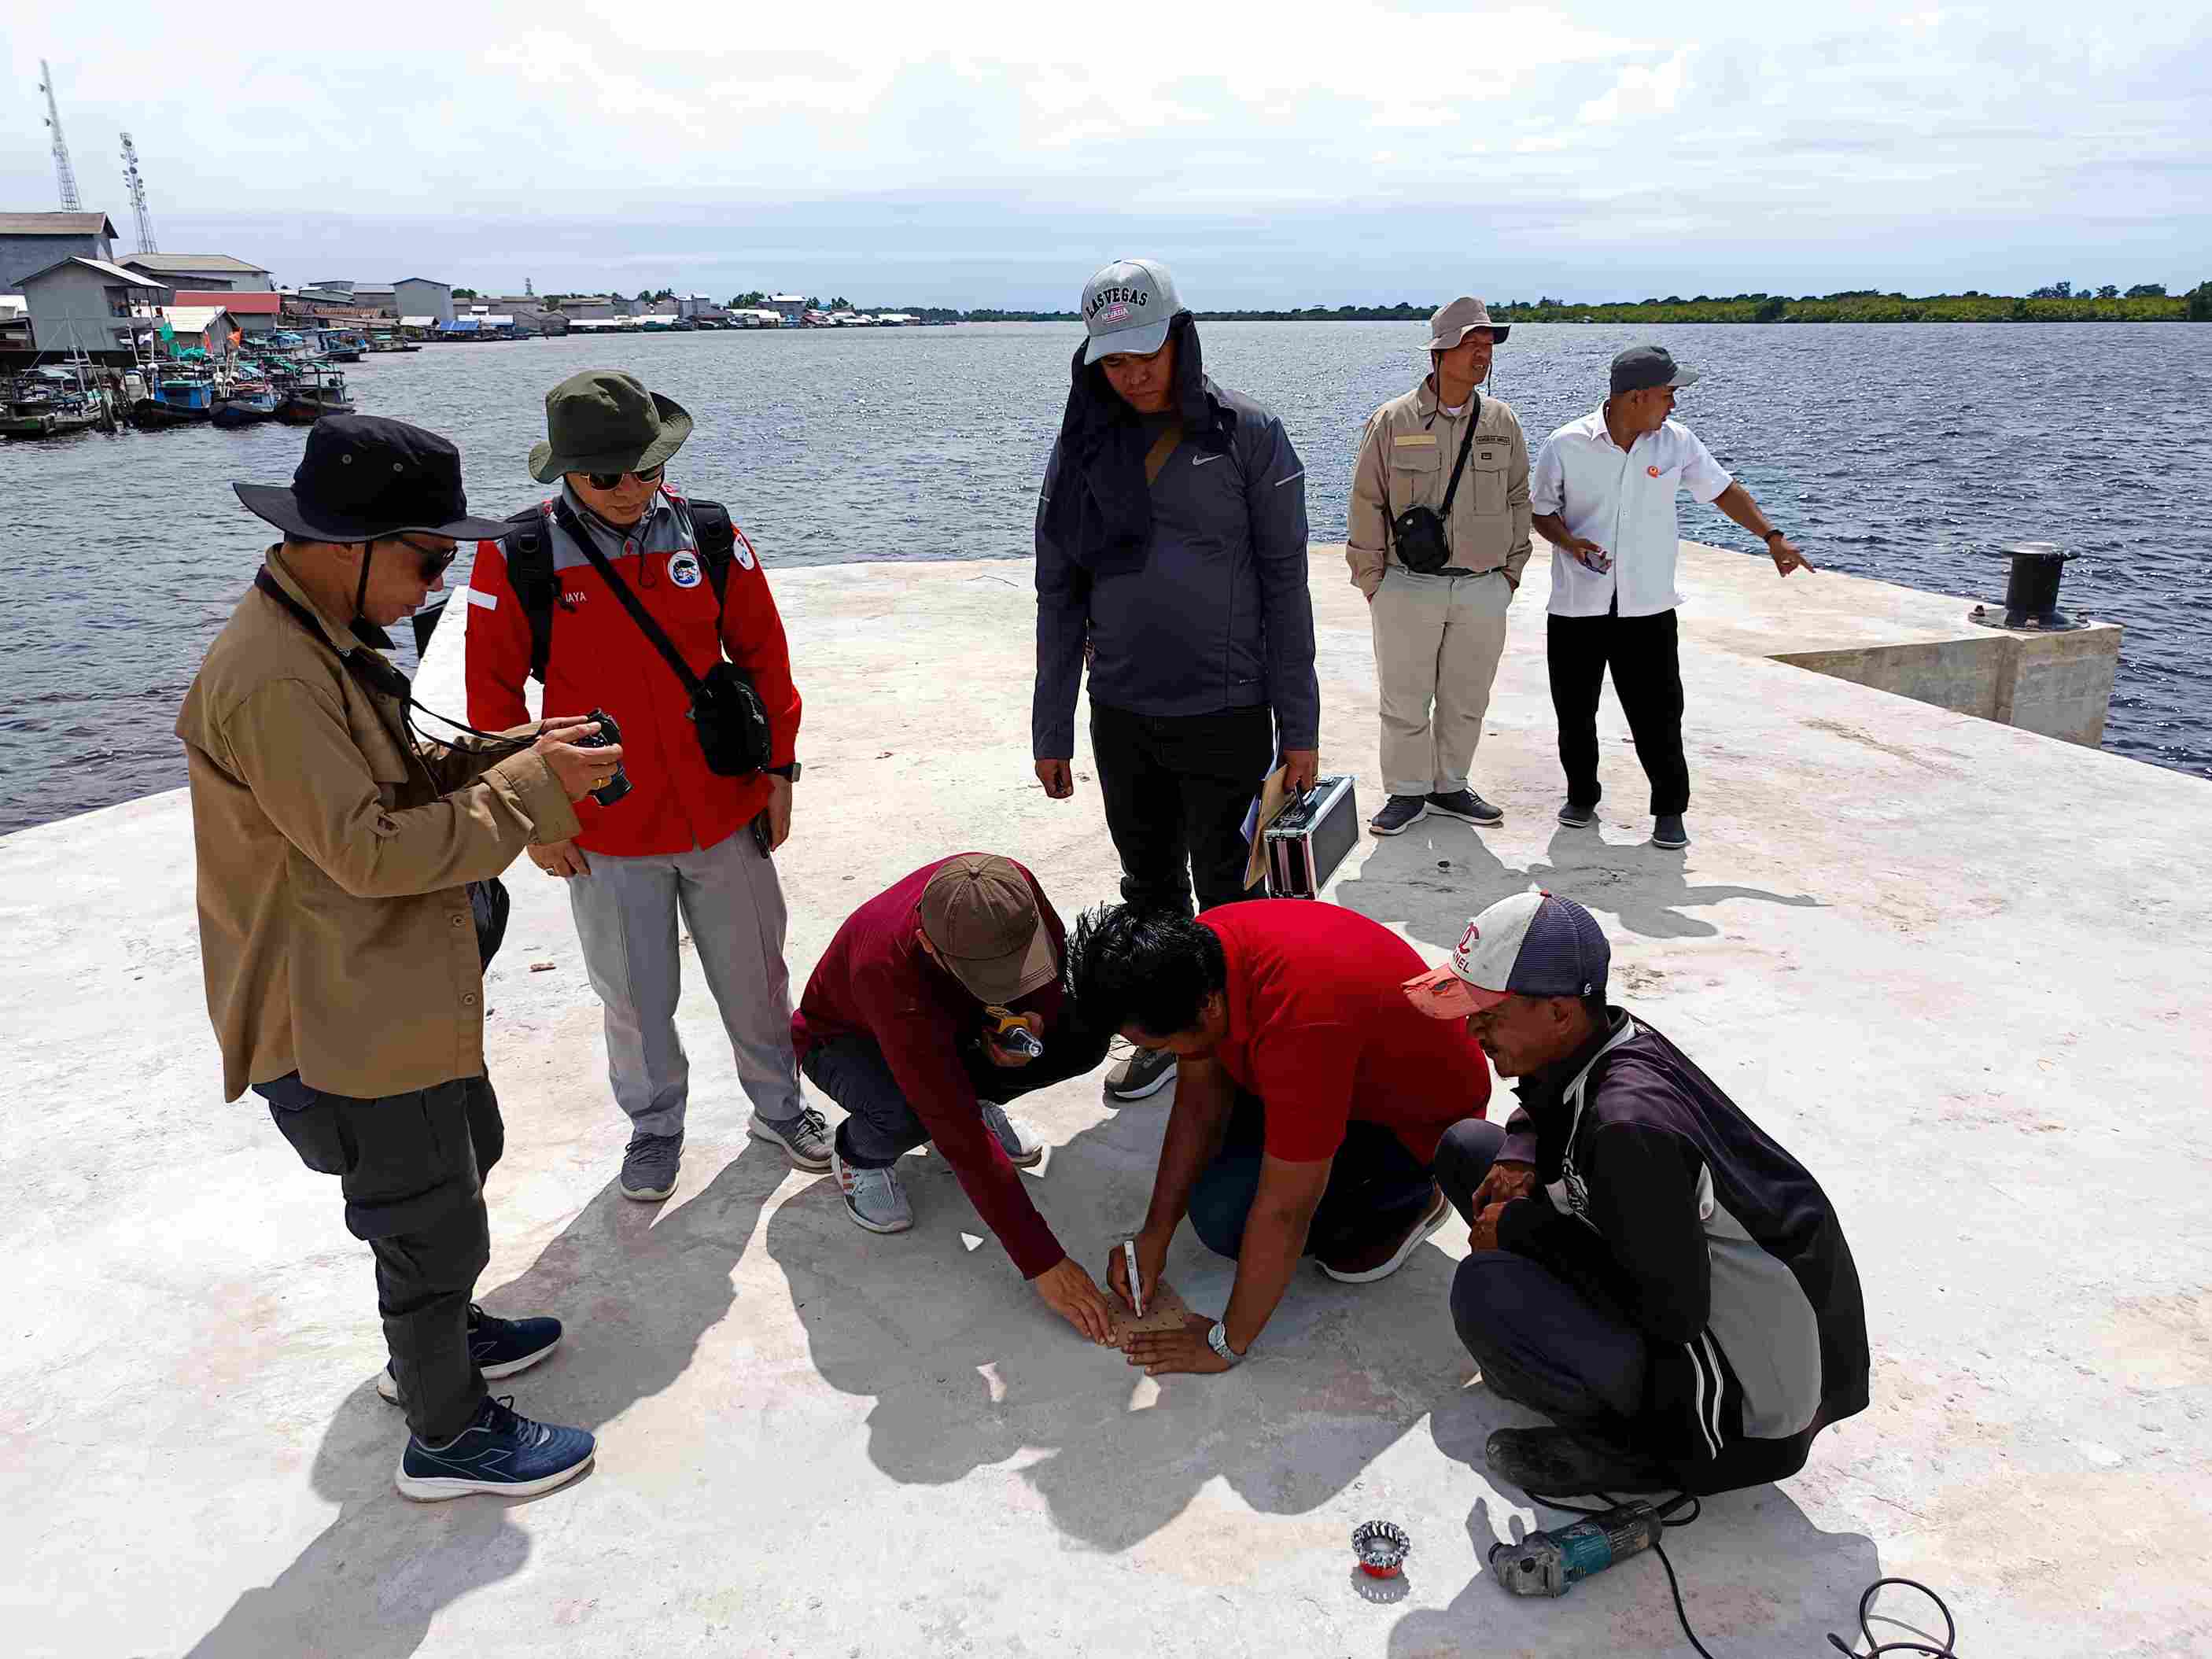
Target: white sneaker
point(1024, 1147)
point(875, 1198)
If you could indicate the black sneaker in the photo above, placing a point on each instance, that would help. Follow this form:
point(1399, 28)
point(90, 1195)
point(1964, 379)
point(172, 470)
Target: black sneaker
point(1577, 818)
point(1667, 831)
point(650, 1164)
point(1466, 807)
point(500, 1452)
point(1557, 1463)
point(1399, 813)
point(500, 1347)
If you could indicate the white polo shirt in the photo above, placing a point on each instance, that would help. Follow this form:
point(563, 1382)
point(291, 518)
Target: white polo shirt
point(1625, 504)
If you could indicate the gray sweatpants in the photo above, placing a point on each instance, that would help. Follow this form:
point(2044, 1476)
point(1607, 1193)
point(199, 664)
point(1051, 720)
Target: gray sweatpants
point(1437, 640)
point(730, 899)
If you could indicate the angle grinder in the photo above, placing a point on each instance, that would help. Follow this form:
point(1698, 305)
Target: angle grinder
point(1553, 1563)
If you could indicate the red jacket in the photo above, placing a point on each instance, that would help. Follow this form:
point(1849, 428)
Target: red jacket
point(601, 659)
point(875, 981)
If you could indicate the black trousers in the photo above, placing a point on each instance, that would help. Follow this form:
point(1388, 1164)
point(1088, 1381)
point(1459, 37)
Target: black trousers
point(1177, 788)
point(1376, 1189)
point(879, 1126)
point(411, 1168)
point(1538, 1339)
point(1644, 655)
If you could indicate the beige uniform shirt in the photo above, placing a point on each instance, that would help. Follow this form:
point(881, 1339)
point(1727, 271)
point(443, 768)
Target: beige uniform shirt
point(335, 934)
point(1406, 461)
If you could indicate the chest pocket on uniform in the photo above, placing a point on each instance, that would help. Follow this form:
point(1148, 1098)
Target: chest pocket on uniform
point(388, 764)
point(1486, 475)
point(1413, 480)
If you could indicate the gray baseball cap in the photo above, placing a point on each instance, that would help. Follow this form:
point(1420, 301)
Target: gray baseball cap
point(1127, 307)
point(1450, 324)
point(1642, 367)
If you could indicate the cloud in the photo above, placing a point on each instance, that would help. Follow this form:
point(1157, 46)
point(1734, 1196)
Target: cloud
point(1642, 90)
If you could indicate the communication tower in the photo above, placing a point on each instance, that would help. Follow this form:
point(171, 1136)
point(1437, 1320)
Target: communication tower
point(135, 184)
point(64, 174)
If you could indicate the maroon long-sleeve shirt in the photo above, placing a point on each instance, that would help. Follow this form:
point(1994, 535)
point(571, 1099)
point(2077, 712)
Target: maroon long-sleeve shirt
point(876, 981)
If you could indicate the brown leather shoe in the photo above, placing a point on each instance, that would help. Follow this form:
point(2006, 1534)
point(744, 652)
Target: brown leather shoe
point(1363, 1264)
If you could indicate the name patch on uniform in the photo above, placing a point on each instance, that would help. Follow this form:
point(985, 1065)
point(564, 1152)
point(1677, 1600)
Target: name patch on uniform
point(683, 568)
point(1418, 440)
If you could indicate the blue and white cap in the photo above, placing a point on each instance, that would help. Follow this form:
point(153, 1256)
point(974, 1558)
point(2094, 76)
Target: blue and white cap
point(1533, 945)
point(1127, 307)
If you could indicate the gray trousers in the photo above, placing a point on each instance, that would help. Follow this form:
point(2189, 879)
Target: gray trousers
point(1538, 1339)
point(729, 898)
point(1437, 640)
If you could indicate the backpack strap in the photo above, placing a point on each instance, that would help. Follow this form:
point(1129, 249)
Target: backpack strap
point(528, 554)
point(716, 532)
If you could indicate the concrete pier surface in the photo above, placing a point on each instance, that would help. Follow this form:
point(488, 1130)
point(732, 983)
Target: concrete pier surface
point(1960, 970)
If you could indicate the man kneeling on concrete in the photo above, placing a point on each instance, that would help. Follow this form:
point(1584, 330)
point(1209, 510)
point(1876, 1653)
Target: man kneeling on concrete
point(939, 999)
point(1308, 1099)
point(344, 968)
point(1662, 1280)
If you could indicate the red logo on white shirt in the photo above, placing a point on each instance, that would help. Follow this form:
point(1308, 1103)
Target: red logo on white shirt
point(1653, 470)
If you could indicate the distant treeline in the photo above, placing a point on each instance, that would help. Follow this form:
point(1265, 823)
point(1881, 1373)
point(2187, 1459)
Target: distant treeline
point(2146, 303)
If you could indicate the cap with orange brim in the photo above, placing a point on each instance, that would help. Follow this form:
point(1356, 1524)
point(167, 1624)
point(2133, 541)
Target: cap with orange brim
point(1531, 944)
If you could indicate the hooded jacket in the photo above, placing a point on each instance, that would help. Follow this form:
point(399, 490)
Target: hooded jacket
point(1660, 1202)
point(1191, 593)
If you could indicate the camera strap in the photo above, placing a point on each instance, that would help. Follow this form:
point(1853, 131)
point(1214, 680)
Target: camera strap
point(1451, 489)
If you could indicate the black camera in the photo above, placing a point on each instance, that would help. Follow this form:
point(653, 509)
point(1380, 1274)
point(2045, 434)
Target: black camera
point(606, 737)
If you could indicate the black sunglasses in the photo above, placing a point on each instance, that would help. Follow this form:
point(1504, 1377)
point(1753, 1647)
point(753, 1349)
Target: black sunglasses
point(611, 480)
point(435, 559)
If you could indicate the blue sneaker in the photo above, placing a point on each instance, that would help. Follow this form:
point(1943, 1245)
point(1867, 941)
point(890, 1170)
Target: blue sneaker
point(500, 1452)
point(500, 1347)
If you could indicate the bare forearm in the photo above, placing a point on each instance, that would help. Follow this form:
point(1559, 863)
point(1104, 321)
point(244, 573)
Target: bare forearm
point(1550, 526)
point(1196, 1124)
point(1736, 500)
point(1274, 1241)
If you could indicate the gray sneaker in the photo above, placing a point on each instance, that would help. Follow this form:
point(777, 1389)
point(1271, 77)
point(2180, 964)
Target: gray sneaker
point(875, 1198)
point(1024, 1148)
point(649, 1167)
point(1399, 813)
point(1140, 1072)
point(805, 1140)
point(1667, 831)
point(1467, 808)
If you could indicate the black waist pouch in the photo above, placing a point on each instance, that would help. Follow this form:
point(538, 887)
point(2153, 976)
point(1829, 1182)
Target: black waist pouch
point(1418, 534)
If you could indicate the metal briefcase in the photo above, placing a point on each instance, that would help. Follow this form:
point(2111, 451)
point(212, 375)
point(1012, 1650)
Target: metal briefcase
point(1311, 837)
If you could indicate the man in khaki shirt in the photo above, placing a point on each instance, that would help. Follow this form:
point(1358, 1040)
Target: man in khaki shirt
point(337, 935)
point(1439, 635)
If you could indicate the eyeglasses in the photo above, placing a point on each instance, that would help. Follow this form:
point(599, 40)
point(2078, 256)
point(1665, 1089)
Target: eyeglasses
point(615, 480)
point(435, 559)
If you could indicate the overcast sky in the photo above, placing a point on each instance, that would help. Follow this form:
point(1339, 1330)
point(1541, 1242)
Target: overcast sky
point(984, 152)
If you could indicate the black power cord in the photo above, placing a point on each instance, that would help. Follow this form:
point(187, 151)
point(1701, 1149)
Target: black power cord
point(1668, 1512)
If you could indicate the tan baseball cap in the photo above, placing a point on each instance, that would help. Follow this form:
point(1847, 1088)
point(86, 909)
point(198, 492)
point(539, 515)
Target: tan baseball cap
point(981, 914)
point(1451, 322)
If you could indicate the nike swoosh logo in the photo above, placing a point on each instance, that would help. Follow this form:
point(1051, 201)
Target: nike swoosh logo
point(1201, 461)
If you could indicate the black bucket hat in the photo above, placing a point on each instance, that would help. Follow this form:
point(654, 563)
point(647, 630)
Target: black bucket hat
point(603, 421)
point(364, 476)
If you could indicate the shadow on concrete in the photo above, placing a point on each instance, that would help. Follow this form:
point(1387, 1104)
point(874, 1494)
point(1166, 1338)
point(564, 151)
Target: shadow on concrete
point(636, 1291)
point(1431, 878)
point(1757, 1576)
point(968, 1368)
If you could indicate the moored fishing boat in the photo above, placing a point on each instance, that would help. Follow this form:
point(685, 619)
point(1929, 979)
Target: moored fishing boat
point(176, 394)
point(246, 403)
point(318, 391)
point(35, 407)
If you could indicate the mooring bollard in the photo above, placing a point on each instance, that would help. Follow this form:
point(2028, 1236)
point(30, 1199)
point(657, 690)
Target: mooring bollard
point(2031, 600)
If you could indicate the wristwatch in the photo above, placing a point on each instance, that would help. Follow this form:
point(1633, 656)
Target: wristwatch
point(1217, 1339)
point(789, 773)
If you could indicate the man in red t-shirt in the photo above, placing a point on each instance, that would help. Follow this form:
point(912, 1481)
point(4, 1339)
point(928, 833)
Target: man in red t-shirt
point(896, 1027)
point(1308, 1107)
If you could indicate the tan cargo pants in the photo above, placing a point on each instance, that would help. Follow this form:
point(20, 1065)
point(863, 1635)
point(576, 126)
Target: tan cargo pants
point(1437, 640)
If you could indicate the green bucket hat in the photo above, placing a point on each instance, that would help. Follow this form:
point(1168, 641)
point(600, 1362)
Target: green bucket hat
point(603, 420)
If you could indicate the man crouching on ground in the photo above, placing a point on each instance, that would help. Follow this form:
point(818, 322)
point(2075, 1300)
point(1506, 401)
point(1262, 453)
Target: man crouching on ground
point(344, 971)
point(912, 1021)
point(1663, 1281)
point(1308, 1104)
